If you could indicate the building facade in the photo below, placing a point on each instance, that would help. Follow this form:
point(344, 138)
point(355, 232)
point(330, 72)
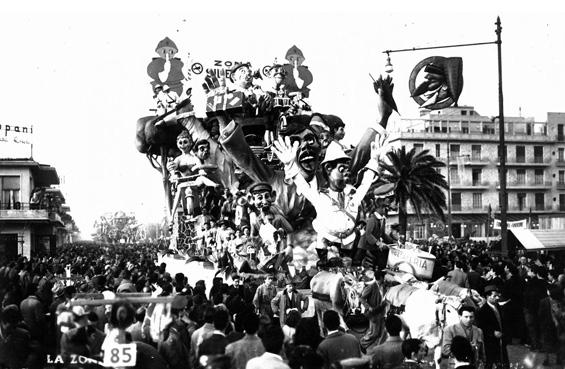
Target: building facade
point(34, 219)
point(468, 144)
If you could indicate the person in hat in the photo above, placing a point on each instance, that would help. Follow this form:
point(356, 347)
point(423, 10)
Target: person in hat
point(297, 76)
point(262, 199)
point(372, 251)
point(264, 294)
point(337, 213)
point(288, 299)
point(166, 69)
point(490, 320)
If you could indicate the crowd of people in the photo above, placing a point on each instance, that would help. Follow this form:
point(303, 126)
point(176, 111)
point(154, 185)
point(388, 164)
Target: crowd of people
point(251, 325)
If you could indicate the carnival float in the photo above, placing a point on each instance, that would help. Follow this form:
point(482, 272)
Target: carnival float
point(261, 139)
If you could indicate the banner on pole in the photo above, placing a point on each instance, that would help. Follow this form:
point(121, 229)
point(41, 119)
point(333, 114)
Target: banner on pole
point(517, 224)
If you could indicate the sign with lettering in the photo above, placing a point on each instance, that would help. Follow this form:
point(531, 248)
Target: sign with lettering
point(517, 224)
point(419, 263)
point(15, 141)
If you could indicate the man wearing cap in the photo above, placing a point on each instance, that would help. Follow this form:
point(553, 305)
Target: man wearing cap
point(288, 299)
point(490, 320)
point(264, 294)
point(263, 198)
point(372, 250)
point(337, 210)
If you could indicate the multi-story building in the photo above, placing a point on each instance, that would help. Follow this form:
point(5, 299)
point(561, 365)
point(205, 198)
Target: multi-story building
point(468, 144)
point(33, 217)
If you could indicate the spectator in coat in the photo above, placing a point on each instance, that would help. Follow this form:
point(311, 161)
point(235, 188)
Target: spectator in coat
point(458, 276)
point(490, 320)
point(534, 291)
point(264, 295)
point(15, 342)
point(414, 350)
point(33, 313)
point(249, 347)
point(552, 325)
point(202, 333)
point(372, 300)
point(272, 338)
point(388, 354)
point(217, 342)
point(288, 299)
point(337, 345)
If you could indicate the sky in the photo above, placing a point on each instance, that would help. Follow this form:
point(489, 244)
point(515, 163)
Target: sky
point(78, 74)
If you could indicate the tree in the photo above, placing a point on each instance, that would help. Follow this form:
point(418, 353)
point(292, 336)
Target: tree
point(417, 182)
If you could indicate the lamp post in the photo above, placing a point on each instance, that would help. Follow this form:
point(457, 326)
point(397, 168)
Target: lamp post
point(502, 173)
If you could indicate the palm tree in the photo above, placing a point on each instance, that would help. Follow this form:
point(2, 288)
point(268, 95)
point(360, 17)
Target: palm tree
point(417, 182)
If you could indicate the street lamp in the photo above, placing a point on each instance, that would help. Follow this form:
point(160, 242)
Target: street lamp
point(502, 174)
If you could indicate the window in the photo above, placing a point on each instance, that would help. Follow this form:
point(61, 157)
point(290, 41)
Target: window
point(561, 154)
point(520, 154)
point(538, 176)
point(454, 151)
point(521, 201)
point(477, 173)
point(463, 112)
point(560, 132)
point(477, 201)
point(456, 201)
point(561, 177)
point(418, 147)
point(538, 154)
point(562, 202)
point(10, 186)
point(540, 201)
point(520, 176)
point(476, 152)
point(454, 175)
point(419, 231)
point(438, 151)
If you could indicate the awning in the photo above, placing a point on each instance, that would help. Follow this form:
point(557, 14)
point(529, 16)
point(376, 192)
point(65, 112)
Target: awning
point(538, 239)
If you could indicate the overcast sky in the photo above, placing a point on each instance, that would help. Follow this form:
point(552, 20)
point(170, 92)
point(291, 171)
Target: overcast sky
point(78, 75)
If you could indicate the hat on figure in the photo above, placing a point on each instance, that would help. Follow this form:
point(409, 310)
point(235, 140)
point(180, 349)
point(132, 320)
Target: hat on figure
point(236, 67)
point(384, 190)
point(260, 187)
point(335, 152)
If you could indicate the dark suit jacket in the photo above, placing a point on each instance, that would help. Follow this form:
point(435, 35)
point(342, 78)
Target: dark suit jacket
point(487, 321)
point(338, 346)
point(214, 345)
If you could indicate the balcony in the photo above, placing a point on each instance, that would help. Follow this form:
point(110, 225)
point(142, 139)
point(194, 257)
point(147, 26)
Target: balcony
point(526, 185)
point(470, 184)
point(526, 209)
point(560, 186)
point(521, 161)
point(560, 162)
point(21, 211)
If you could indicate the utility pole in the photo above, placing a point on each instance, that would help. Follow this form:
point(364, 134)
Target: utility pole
point(503, 195)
